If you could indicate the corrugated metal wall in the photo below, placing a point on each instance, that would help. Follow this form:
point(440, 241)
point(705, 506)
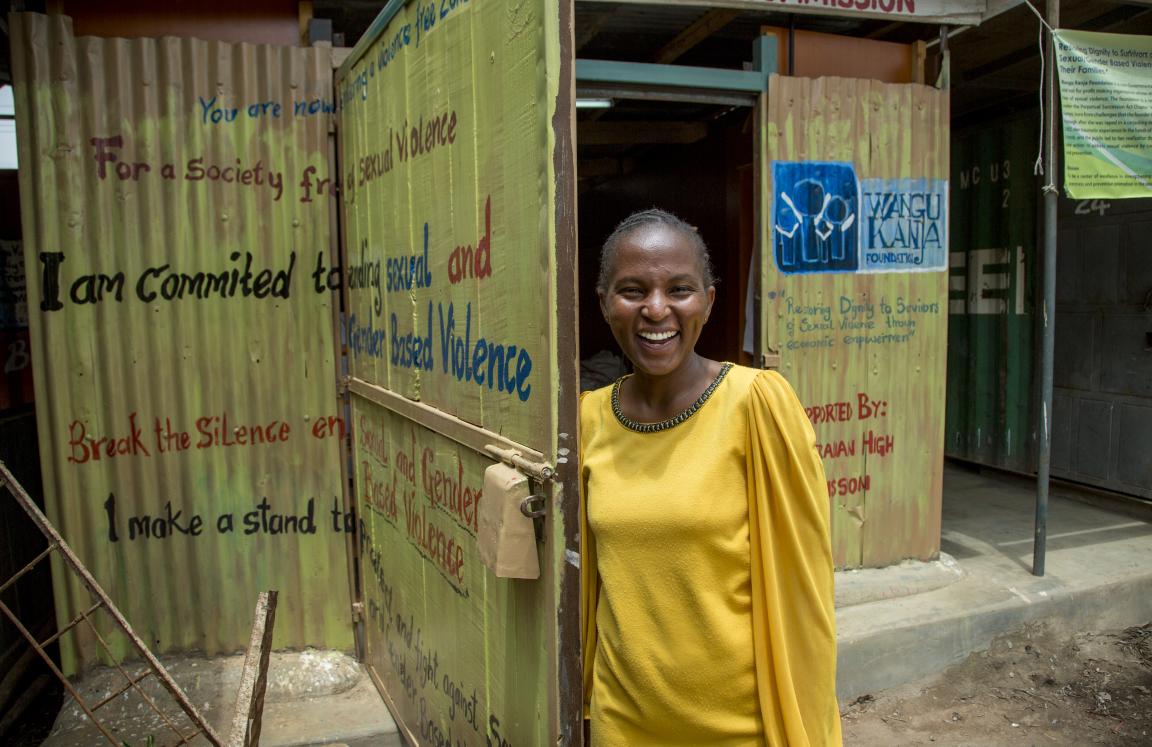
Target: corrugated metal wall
point(865, 347)
point(992, 327)
point(1102, 403)
point(173, 220)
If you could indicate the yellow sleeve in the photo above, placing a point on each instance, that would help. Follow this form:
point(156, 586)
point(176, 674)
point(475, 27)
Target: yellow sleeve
point(589, 581)
point(793, 615)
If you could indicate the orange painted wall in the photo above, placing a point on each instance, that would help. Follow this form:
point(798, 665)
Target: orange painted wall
point(818, 55)
point(253, 21)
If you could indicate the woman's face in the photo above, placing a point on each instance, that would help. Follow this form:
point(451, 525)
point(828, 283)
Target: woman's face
point(656, 302)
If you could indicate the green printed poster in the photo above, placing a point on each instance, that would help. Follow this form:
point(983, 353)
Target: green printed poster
point(1106, 99)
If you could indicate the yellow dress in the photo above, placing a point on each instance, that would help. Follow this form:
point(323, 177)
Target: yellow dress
point(707, 574)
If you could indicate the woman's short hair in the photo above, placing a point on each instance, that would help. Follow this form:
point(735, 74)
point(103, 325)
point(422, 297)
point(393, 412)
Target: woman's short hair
point(642, 219)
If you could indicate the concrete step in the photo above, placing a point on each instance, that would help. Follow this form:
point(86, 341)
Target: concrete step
point(904, 623)
point(313, 698)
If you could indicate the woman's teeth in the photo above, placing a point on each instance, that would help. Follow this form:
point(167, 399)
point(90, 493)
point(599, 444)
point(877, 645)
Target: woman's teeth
point(658, 336)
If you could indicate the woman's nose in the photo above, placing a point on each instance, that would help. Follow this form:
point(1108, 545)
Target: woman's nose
point(656, 307)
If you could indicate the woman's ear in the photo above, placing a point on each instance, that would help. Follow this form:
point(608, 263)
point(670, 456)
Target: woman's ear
point(603, 304)
point(711, 299)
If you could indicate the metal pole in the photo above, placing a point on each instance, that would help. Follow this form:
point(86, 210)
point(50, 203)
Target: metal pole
point(1048, 309)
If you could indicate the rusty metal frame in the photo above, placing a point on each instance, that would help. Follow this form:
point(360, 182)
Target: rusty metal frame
point(250, 703)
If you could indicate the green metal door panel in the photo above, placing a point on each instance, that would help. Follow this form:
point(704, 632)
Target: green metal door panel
point(457, 204)
point(991, 325)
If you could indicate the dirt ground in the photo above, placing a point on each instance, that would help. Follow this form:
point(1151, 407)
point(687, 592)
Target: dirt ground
point(1032, 688)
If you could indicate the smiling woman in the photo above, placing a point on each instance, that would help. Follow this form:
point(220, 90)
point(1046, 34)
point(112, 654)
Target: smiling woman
point(656, 292)
point(707, 570)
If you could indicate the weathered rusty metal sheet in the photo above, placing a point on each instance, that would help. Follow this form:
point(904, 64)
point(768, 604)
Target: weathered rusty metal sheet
point(174, 216)
point(855, 297)
point(458, 180)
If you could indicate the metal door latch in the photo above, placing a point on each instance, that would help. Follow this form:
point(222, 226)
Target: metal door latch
point(539, 471)
point(534, 506)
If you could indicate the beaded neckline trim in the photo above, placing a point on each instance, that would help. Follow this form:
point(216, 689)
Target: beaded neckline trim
point(675, 420)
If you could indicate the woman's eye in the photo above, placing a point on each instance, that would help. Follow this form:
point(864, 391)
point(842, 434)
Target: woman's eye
point(682, 290)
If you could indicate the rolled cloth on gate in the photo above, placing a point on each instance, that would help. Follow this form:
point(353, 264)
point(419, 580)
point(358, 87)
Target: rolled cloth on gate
point(506, 537)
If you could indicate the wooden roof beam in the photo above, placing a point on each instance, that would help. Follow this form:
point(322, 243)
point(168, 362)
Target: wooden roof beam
point(587, 30)
point(637, 133)
point(703, 27)
point(589, 168)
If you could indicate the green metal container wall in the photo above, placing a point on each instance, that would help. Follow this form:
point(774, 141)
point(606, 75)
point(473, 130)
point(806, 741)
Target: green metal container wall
point(991, 330)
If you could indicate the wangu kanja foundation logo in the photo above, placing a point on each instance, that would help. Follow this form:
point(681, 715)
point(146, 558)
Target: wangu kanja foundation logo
point(825, 219)
point(814, 213)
